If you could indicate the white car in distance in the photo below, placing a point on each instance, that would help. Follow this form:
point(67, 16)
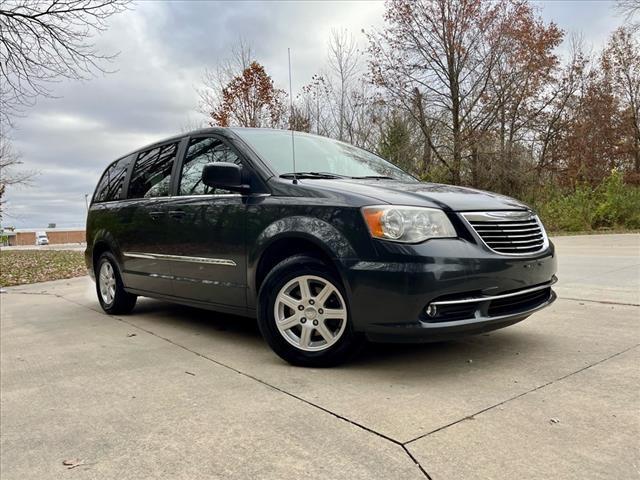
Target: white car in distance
point(41, 238)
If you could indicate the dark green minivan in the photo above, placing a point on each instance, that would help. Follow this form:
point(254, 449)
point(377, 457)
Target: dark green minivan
point(342, 248)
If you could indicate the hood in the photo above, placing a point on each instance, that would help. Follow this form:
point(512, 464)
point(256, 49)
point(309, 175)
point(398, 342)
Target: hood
point(446, 197)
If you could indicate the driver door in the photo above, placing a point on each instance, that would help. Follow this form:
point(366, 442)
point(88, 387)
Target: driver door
point(208, 230)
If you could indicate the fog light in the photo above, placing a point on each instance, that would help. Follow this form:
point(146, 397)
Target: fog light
point(431, 310)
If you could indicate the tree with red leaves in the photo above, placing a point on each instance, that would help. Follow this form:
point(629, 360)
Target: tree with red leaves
point(250, 100)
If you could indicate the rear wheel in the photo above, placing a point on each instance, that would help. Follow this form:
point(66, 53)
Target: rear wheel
point(304, 316)
point(111, 293)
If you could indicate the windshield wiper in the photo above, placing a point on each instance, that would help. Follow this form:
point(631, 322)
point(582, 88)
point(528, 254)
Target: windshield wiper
point(375, 177)
point(311, 175)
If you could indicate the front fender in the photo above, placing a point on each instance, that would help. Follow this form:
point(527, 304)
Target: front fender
point(322, 233)
point(319, 232)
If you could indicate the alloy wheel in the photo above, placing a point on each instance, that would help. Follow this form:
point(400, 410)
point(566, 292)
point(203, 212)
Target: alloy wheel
point(107, 283)
point(310, 313)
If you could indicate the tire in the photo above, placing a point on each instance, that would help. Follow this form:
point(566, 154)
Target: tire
point(313, 329)
point(112, 296)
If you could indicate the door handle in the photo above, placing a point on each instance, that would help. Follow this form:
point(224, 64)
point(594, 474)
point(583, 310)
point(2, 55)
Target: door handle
point(156, 214)
point(177, 213)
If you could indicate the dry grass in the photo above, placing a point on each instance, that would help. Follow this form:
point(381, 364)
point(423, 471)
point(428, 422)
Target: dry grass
point(31, 266)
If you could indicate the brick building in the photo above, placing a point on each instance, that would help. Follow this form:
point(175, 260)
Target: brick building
point(27, 236)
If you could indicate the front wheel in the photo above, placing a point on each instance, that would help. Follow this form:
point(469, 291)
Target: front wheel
point(304, 316)
point(111, 293)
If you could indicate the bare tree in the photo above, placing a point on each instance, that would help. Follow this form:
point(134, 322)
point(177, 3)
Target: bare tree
point(190, 124)
point(343, 69)
point(313, 101)
point(630, 10)
point(42, 41)
point(621, 59)
point(214, 81)
point(436, 56)
point(340, 102)
point(10, 174)
point(523, 85)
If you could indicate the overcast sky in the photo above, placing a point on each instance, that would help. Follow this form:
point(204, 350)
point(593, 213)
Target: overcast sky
point(164, 49)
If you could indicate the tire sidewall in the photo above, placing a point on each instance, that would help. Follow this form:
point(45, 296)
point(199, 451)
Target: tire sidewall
point(118, 299)
point(281, 274)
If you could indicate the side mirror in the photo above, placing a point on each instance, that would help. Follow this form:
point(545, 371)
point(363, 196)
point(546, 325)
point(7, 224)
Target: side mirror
point(224, 175)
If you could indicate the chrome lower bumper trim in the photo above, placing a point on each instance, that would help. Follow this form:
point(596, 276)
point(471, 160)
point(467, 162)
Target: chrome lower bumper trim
point(488, 320)
point(495, 297)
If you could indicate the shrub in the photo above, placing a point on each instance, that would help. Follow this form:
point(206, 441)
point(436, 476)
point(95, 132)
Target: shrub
point(612, 204)
point(619, 205)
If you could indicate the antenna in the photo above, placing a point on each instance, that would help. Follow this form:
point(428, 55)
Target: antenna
point(293, 144)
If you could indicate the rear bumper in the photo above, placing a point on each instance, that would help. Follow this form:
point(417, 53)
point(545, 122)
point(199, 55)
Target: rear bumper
point(473, 290)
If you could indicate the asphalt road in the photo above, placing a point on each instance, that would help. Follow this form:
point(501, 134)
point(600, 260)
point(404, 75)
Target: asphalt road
point(174, 392)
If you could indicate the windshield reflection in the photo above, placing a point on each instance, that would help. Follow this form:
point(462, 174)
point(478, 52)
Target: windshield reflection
point(317, 154)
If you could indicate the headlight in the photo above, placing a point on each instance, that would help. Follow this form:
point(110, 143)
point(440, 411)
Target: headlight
point(407, 224)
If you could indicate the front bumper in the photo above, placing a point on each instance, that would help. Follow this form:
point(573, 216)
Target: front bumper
point(479, 321)
point(473, 290)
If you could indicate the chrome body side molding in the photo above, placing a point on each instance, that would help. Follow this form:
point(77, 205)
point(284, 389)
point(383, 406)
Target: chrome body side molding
point(181, 258)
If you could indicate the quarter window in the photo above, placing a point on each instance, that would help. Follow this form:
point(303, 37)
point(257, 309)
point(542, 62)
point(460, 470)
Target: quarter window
point(110, 186)
point(151, 175)
point(202, 151)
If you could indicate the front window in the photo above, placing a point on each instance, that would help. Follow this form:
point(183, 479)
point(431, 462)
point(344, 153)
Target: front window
point(201, 152)
point(317, 154)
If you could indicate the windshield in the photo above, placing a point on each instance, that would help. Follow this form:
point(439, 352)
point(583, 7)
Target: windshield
point(317, 154)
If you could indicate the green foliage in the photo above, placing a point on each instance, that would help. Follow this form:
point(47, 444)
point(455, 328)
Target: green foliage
point(610, 205)
point(437, 174)
point(620, 204)
point(396, 145)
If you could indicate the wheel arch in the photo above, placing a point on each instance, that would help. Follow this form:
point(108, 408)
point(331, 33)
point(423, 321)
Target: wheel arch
point(103, 242)
point(296, 235)
point(98, 249)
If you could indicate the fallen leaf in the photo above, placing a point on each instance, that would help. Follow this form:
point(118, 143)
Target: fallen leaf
point(554, 420)
point(20, 267)
point(72, 463)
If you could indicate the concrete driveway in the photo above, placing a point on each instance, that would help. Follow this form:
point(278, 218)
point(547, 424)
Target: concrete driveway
point(174, 392)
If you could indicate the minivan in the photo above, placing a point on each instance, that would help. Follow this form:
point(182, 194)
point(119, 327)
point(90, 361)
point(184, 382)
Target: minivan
point(326, 244)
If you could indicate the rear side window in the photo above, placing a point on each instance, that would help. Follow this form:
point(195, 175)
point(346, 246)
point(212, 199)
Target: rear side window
point(151, 175)
point(110, 186)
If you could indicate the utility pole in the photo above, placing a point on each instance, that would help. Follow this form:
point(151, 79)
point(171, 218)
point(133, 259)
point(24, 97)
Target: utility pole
point(86, 201)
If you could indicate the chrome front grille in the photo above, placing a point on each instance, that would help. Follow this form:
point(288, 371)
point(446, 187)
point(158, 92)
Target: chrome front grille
point(509, 233)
